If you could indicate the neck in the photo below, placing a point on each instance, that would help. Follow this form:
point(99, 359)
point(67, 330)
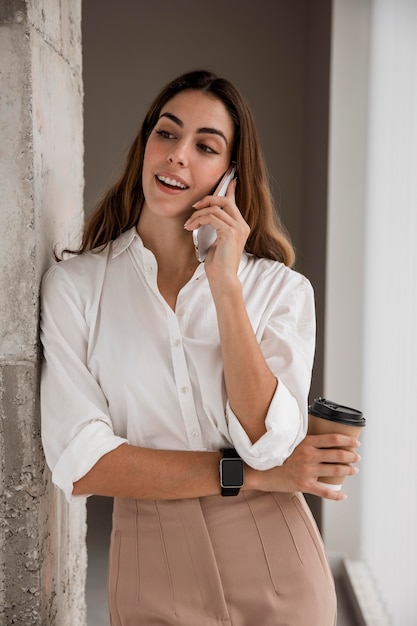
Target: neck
point(170, 243)
point(174, 252)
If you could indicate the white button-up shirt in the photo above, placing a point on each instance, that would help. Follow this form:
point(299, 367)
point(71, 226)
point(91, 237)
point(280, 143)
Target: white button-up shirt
point(122, 366)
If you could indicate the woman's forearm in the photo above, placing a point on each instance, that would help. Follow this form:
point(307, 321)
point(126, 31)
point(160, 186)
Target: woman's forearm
point(142, 473)
point(250, 384)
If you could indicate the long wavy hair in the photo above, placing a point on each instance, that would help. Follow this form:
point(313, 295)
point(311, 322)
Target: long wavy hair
point(120, 208)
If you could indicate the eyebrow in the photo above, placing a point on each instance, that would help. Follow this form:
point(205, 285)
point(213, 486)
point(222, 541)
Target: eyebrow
point(203, 130)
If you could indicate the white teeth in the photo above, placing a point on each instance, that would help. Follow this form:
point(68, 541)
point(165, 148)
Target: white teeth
point(172, 182)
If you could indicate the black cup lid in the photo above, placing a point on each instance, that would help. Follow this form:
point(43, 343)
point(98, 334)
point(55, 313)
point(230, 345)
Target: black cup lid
point(336, 412)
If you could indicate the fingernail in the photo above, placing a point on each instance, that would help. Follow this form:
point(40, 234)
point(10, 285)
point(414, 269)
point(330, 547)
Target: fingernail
point(186, 223)
point(193, 206)
point(358, 443)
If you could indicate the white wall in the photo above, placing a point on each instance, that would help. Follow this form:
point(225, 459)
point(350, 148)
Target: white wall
point(371, 333)
point(345, 243)
point(389, 505)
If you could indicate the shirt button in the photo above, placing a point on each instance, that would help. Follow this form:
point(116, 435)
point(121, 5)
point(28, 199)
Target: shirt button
point(184, 389)
point(177, 343)
point(194, 433)
point(180, 313)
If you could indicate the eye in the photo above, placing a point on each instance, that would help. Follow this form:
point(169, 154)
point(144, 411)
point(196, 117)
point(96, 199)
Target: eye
point(164, 134)
point(205, 148)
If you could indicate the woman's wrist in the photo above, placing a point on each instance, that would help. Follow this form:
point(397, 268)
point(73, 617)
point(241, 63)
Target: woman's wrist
point(251, 478)
point(226, 290)
point(274, 479)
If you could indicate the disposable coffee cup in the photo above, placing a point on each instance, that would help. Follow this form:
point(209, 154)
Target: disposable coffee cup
point(324, 417)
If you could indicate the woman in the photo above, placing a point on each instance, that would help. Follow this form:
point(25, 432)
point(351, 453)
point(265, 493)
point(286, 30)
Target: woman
point(157, 367)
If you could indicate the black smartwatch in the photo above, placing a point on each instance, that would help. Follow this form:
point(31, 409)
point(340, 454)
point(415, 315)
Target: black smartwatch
point(231, 472)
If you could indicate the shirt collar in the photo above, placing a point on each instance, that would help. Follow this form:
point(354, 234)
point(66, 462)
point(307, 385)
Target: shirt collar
point(124, 241)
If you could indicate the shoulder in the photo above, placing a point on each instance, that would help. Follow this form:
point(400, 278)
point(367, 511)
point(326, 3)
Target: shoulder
point(274, 275)
point(78, 274)
point(283, 296)
point(82, 276)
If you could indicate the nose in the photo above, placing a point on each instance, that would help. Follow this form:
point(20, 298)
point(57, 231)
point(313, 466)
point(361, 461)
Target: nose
point(178, 154)
point(173, 159)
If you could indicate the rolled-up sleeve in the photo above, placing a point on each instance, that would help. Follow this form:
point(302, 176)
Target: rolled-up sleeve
point(76, 426)
point(287, 341)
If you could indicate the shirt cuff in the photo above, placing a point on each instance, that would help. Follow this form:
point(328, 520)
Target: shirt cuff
point(91, 443)
point(286, 426)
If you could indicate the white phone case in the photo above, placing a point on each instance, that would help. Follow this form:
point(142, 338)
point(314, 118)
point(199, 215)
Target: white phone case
point(204, 236)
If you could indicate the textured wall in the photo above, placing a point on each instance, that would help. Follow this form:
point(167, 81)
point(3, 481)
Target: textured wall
point(42, 553)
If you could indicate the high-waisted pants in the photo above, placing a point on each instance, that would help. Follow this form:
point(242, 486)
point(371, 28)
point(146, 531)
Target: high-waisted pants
point(256, 559)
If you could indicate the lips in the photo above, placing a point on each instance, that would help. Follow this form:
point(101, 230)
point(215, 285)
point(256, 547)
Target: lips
point(171, 182)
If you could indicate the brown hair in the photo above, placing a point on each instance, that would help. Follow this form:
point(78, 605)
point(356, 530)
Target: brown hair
point(120, 208)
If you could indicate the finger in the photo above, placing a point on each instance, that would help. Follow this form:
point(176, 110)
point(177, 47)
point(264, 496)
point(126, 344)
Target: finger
point(334, 440)
point(337, 455)
point(336, 470)
point(210, 201)
point(216, 203)
point(330, 494)
point(322, 490)
point(212, 215)
point(226, 203)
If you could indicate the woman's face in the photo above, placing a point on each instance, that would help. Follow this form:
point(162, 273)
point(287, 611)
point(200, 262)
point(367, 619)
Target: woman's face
point(186, 154)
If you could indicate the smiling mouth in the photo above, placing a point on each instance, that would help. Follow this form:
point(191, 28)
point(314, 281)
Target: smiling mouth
point(172, 183)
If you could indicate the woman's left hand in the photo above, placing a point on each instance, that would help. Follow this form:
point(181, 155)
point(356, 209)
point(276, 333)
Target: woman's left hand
point(223, 215)
point(332, 455)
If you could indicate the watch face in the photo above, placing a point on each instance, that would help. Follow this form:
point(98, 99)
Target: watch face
point(232, 473)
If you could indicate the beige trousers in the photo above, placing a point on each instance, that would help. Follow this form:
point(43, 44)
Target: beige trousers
point(252, 560)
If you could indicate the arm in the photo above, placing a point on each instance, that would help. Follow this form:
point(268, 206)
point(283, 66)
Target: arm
point(249, 382)
point(143, 473)
point(267, 374)
point(140, 473)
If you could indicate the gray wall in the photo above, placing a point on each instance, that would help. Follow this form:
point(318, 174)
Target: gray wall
point(276, 52)
point(42, 547)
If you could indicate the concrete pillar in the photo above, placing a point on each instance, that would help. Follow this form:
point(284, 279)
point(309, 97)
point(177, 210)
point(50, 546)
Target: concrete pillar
point(42, 539)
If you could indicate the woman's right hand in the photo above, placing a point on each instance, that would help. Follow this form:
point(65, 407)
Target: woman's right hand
point(316, 455)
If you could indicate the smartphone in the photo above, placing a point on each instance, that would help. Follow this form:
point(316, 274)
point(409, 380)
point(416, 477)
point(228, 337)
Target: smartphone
point(204, 236)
